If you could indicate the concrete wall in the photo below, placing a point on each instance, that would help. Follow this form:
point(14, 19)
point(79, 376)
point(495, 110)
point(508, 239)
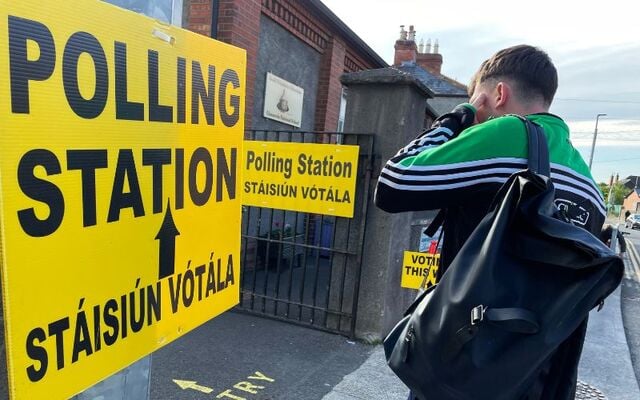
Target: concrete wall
point(292, 60)
point(395, 112)
point(443, 105)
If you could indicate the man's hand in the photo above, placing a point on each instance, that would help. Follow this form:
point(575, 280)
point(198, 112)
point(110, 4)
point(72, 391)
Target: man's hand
point(478, 101)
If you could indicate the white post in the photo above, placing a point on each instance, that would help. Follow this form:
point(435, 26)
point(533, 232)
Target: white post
point(614, 238)
point(595, 134)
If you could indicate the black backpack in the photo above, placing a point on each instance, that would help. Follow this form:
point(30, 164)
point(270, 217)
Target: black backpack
point(520, 285)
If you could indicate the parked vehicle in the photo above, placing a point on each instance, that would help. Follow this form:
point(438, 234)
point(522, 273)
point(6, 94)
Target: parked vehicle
point(633, 221)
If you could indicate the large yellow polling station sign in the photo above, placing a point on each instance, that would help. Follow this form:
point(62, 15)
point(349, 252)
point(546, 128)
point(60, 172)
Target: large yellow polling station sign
point(120, 139)
point(307, 177)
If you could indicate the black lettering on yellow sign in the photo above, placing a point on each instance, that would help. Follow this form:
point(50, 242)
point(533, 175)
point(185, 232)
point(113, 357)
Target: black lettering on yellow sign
point(424, 266)
point(329, 194)
point(104, 324)
point(269, 161)
point(23, 70)
point(86, 335)
point(425, 263)
point(307, 165)
point(219, 172)
point(190, 285)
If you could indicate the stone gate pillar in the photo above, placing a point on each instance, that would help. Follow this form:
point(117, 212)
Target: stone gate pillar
point(391, 104)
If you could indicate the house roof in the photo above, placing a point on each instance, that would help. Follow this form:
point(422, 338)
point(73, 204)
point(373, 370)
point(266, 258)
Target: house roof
point(631, 181)
point(390, 75)
point(637, 192)
point(440, 85)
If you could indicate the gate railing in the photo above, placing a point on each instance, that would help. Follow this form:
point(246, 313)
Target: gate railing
point(305, 268)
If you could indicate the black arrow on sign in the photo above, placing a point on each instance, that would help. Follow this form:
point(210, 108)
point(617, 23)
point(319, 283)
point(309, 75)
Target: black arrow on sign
point(167, 237)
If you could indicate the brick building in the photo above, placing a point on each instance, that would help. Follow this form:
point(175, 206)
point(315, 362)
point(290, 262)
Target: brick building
point(301, 43)
point(632, 201)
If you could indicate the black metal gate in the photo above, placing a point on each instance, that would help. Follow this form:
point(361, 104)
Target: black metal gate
point(305, 268)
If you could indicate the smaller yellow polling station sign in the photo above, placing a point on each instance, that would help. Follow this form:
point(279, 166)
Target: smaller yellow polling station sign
point(306, 177)
point(416, 266)
point(120, 209)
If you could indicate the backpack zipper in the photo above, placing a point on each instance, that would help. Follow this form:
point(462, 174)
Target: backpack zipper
point(407, 342)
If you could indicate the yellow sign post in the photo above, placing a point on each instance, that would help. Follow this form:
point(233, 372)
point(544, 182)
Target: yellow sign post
point(416, 266)
point(120, 139)
point(315, 178)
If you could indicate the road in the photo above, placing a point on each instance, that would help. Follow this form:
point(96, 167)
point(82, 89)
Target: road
point(631, 302)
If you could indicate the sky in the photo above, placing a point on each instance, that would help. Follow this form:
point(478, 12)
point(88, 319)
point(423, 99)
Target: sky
point(595, 46)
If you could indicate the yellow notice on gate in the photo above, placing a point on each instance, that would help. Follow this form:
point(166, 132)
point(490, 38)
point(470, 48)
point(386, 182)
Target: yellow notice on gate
point(416, 266)
point(307, 177)
point(120, 143)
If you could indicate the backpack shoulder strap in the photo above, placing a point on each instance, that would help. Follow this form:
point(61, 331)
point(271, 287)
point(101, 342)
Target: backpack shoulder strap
point(538, 150)
point(436, 223)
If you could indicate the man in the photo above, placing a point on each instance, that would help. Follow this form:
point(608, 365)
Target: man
point(461, 162)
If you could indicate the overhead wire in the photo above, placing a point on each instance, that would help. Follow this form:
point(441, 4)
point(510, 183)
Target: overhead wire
point(598, 100)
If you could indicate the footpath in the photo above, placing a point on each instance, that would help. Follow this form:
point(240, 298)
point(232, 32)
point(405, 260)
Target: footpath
point(605, 369)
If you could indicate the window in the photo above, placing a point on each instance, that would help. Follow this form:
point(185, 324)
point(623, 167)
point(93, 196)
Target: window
point(343, 110)
point(341, 116)
point(169, 11)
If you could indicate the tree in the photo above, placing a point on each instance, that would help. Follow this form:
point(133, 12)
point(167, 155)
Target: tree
point(618, 194)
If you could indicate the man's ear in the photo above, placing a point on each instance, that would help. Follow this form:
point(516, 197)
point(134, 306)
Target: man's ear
point(502, 94)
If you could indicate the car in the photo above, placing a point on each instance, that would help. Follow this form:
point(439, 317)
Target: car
point(633, 221)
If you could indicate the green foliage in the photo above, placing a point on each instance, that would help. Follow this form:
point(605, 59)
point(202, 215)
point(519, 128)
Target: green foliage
point(618, 193)
point(278, 234)
point(604, 188)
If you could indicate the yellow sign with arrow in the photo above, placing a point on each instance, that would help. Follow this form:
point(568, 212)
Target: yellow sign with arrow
point(119, 204)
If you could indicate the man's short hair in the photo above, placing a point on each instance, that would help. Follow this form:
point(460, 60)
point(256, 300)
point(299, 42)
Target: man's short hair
point(528, 68)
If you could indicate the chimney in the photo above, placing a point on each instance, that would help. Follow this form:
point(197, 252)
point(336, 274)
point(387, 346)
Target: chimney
point(432, 62)
point(403, 33)
point(412, 34)
point(421, 46)
point(611, 181)
point(406, 49)
point(617, 178)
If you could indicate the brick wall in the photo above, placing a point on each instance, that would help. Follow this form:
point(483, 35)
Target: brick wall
point(199, 16)
point(432, 62)
point(631, 202)
point(405, 50)
point(330, 88)
point(239, 25)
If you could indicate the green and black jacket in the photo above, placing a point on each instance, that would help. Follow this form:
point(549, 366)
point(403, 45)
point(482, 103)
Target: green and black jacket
point(460, 167)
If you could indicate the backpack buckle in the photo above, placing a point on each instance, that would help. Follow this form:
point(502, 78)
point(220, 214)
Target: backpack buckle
point(477, 314)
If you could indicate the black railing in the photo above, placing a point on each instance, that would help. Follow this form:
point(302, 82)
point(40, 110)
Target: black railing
point(301, 267)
